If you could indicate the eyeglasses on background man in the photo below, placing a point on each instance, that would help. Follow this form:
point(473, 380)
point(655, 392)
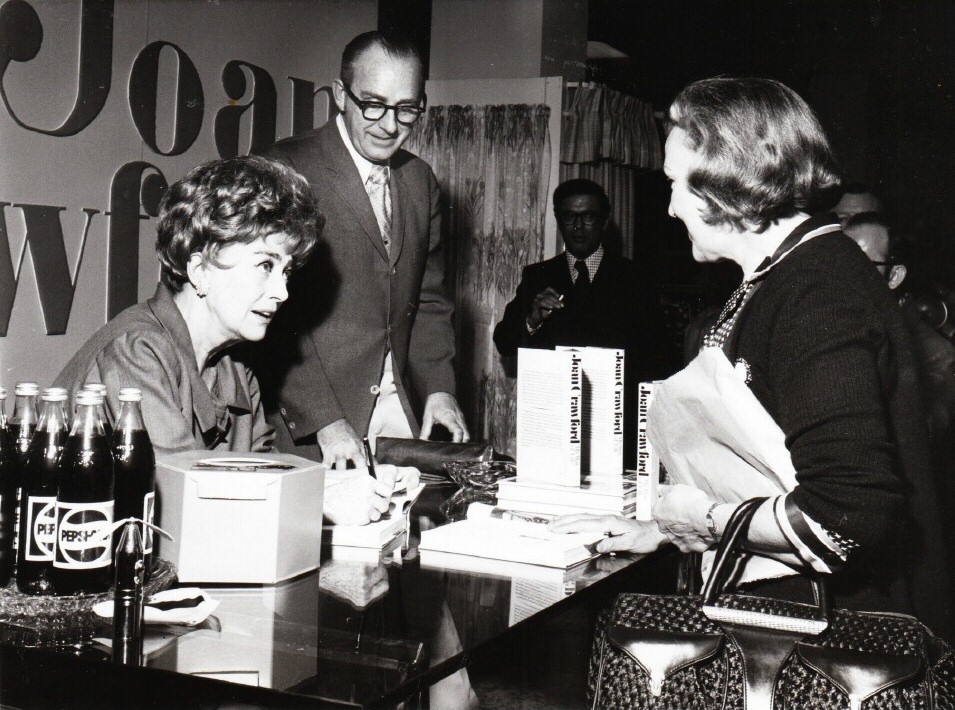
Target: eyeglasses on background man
point(569, 219)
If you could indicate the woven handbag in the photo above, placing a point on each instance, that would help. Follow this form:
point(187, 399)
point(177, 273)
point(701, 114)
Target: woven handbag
point(723, 651)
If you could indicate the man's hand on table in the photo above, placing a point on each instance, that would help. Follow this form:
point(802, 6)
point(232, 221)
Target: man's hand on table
point(442, 408)
point(340, 444)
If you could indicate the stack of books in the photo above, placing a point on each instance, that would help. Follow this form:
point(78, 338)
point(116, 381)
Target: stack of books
point(598, 494)
point(570, 427)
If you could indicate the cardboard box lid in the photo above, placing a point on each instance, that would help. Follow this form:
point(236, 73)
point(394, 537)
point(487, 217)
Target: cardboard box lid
point(184, 461)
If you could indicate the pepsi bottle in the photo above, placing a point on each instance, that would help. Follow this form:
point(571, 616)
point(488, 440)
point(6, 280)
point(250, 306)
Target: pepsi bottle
point(101, 410)
point(82, 560)
point(135, 467)
point(37, 528)
point(24, 420)
point(21, 427)
point(9, 481)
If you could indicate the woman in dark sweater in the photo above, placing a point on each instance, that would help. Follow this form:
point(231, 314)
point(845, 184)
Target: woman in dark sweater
point(826, 353)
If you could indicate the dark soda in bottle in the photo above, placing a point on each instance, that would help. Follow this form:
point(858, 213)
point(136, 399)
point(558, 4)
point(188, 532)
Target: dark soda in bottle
point(21, 427)
point(101, 410)
point(9, 482)
point(24, 420)
point(37, 529)
point(82, 561)
point(135, 467)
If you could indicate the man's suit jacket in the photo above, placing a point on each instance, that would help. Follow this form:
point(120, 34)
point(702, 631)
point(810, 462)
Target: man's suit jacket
point(620, 310)
point(353, 302)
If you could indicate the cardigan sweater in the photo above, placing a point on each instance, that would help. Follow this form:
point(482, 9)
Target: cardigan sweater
point(831, 360)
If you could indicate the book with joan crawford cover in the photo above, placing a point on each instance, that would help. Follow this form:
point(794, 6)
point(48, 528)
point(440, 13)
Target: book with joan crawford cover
point(602, 409)
point(648, 462)
point(549, 416)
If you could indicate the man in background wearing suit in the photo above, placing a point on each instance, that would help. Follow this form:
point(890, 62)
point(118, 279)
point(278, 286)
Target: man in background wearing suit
point(366, 345)
point(587, 296)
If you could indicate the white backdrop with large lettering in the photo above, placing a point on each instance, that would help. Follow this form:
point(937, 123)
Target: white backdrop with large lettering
point(103, 103)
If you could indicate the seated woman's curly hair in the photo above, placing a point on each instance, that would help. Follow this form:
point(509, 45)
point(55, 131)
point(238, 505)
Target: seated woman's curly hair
point(234, 200)
point(764, 155)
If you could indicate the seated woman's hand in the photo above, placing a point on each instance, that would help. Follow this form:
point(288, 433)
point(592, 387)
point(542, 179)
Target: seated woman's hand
point(358, 499)
point(407, 478)
point(623, 534)
point(680, 512)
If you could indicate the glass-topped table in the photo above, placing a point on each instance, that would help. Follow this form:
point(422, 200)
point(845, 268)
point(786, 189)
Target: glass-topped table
point(368, 630)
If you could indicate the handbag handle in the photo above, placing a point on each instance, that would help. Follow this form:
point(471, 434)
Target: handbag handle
point(731, 547)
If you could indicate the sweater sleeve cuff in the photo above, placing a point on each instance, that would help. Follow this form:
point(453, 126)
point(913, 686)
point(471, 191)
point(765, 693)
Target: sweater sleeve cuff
point(811, 542)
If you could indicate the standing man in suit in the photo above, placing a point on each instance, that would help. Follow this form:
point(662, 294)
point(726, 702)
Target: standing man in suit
point(587, 295)
point(367, 346)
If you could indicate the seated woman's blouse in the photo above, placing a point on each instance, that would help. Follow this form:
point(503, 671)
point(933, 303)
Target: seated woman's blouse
point(148, 346)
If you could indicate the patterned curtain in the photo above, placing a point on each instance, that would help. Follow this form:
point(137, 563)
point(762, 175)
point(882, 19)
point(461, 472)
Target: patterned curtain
point(607, 136)
point(493, 165)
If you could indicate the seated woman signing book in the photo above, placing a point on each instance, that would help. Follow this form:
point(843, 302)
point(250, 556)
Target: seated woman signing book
point(229, 234)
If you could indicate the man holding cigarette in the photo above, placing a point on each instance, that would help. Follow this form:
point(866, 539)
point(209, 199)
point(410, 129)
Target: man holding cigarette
point(588, 295)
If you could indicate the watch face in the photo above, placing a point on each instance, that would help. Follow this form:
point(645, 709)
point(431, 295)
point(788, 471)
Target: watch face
point(711, 522)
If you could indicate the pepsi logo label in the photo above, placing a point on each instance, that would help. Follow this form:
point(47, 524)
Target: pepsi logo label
point(41, 528)
point(83, 534)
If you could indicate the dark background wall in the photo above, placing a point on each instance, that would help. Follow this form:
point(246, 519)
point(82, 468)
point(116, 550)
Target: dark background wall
point(879, 74)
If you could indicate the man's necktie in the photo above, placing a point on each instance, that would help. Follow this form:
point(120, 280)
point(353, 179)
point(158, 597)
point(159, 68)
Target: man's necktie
point(379, 193)
point(582, 284)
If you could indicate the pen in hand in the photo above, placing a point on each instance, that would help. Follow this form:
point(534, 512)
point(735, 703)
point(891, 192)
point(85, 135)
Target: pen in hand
point(368, 458)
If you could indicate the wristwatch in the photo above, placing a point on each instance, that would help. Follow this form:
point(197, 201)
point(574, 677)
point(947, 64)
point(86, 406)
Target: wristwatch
point(711, 522)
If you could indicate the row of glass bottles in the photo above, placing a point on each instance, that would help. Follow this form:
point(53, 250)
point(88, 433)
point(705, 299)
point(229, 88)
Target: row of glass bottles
point(62, 486)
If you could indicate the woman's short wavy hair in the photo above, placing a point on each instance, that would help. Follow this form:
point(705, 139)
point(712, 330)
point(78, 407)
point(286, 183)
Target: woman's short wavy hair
point(764, 155)
point(234, 200)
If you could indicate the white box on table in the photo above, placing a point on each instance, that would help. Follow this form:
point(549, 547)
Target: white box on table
point(240, 527)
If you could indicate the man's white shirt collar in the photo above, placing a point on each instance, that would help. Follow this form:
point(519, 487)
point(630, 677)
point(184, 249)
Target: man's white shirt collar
point(592, 261)
point(361, 162)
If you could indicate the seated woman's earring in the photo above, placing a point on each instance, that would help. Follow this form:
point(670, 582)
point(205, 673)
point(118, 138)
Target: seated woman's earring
point(201, 290)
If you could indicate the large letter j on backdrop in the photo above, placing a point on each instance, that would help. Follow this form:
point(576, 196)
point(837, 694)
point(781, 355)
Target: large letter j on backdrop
point(21, 36)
